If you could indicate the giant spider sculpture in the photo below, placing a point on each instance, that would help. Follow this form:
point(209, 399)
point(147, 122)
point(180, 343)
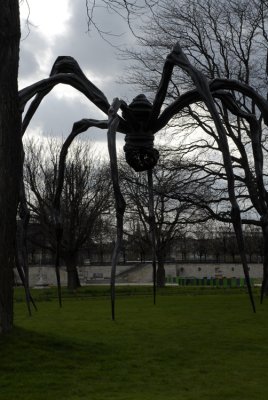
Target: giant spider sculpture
point(140, 121)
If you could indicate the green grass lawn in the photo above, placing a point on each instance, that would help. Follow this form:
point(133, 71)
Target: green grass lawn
point(208, 346)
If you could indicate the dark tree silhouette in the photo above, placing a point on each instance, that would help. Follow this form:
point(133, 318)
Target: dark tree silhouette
point(222, 39)
point(10, 154)
point(169, 215)
point(85, 197)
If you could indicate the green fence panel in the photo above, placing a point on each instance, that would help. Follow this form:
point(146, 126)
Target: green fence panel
point(233, 282)
point(212, 282)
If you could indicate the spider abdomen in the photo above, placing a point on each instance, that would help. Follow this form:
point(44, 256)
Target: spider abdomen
point(140, 152)
point(139, 148)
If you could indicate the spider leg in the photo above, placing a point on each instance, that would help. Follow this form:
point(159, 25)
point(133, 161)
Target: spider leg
point(57, 223)
point(67, 71)
point(236, 218)
point(193, 96)
point(161, 92)
point(177, 57)
point(265, 261)
point(21, 257)
point(78, 127)
point(152, 227)
point(120, 203)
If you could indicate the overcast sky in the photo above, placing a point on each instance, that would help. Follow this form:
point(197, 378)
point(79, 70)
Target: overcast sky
point(60, 28)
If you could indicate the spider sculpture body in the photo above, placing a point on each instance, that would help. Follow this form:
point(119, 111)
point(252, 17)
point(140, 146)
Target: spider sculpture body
point(139, 148)
point(140, 121)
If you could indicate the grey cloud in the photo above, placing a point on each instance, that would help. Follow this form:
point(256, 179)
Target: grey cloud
point(56, 116)
point(28, 63)
point(92, 52)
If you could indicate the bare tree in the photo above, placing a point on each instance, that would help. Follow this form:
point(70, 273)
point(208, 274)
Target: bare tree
point(170, 215)
point(137, 241)
point(86, 196)
point(223, 39)
point(129, 10)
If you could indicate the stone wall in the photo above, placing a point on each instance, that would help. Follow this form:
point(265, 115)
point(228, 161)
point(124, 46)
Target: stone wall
point(139, 273)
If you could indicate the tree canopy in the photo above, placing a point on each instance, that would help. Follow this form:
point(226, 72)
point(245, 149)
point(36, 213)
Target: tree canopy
point(86, 197)
point(222, 131)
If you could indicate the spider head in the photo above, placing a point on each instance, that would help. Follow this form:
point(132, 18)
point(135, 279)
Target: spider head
point(139, 148)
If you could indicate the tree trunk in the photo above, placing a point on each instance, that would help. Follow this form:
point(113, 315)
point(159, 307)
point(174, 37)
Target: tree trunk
point(10, 154)
point(265, 261)
point(73, 281)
